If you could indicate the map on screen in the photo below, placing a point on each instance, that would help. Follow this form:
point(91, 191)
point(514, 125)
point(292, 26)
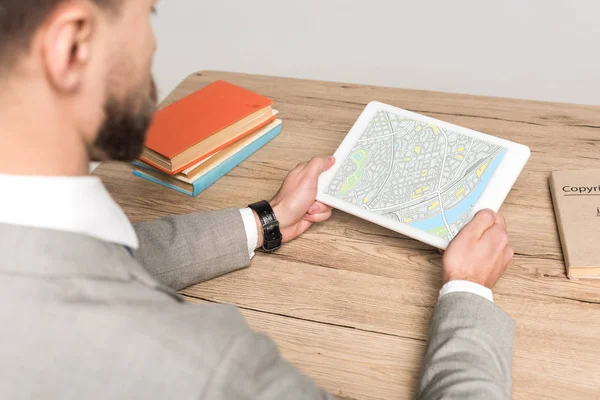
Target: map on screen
point(416, 173)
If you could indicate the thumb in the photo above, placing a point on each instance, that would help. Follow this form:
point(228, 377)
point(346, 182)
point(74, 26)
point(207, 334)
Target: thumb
point(482, 221)
point(318, 165)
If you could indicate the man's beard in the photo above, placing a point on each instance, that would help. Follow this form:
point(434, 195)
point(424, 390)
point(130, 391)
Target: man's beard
point(123, 132)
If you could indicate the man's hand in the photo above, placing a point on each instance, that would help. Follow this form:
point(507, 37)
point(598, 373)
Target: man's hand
point(295, 204)
point(480, 252)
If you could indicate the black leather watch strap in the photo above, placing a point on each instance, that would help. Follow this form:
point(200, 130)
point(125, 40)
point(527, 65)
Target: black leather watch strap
point(270, 225)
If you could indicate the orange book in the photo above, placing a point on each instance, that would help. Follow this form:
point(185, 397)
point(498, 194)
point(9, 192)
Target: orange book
point(201, 124)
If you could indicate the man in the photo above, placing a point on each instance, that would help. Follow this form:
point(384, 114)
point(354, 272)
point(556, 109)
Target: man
point(89, 308)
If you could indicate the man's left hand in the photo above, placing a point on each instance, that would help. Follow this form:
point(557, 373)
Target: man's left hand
point(295, 204)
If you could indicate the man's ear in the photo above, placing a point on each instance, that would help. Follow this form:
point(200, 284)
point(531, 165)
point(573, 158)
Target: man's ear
point(67, 44)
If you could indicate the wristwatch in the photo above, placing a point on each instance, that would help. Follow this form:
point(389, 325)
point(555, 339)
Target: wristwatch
point(268, 220)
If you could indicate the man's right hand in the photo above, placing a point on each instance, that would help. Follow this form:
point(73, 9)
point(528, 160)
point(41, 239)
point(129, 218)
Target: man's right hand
point(480, 252)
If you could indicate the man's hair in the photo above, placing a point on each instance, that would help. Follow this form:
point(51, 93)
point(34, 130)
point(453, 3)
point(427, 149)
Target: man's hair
point(19, 19)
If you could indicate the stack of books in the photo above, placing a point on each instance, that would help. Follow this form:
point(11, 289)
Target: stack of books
point(194, 142)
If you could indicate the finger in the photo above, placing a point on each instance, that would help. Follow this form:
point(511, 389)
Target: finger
point(318, 208)
point(496, 237)
point(318, 165)
point(482, 221)
point(318, 217)
point(301, 227)
point(500, 220)
point(300, 166)
point(508, 254)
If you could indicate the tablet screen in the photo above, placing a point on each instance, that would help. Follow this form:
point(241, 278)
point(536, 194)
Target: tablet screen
point(416, 173)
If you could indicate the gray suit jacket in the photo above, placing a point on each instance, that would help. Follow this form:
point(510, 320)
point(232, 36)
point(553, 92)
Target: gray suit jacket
point(83, 319)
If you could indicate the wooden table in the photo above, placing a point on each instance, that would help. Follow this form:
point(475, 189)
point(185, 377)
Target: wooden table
point(349, 302)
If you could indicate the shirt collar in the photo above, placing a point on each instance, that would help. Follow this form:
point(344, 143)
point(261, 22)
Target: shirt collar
point(72, 204)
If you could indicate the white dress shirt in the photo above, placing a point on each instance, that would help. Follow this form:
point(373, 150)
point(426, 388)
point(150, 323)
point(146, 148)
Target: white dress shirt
point(251, 231)
point(83, 205)
point(73, 204)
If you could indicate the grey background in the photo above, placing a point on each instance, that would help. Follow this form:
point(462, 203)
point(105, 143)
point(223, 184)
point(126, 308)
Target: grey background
point(534, 49)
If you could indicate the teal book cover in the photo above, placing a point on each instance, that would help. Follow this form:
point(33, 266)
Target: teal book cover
point(205, 181)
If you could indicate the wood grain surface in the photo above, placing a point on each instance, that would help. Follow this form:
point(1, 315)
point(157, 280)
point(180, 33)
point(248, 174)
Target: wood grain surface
point(349, 302)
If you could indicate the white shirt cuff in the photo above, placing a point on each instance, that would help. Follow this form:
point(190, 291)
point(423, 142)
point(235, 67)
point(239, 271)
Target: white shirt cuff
point(466, 287)
point(250, 227)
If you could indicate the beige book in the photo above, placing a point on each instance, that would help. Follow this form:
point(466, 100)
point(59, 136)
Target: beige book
point(192, 172)
point(576, 198)
point(205, 167)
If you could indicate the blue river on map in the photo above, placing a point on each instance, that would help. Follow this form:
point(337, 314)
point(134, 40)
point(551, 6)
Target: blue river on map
point(454, 213)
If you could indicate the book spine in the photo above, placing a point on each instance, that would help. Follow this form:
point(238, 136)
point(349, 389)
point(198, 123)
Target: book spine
point(162, 183)
point(140, 164)
point(559, 222)
point(210, 178)
point(224, 145)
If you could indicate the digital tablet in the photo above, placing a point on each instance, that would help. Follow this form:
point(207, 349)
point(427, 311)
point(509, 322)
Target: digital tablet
point(419, 176)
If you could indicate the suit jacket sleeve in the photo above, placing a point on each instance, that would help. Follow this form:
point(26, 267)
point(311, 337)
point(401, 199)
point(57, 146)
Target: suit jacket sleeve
point(253, 368)
point(183, 250)
point(470, 349)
